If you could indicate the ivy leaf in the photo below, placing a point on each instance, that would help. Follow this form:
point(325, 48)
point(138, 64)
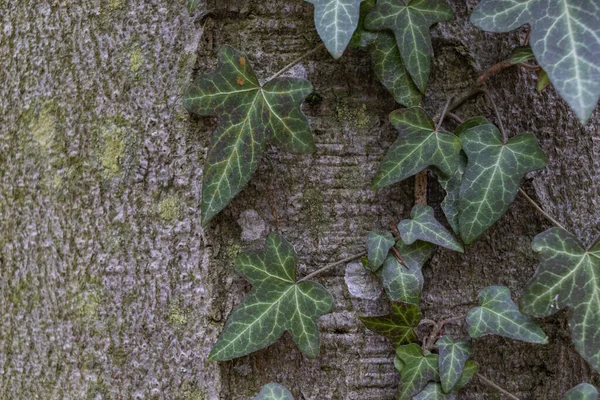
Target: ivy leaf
point(192, 5)
point(336, 21)
point(469, 372)
point(398, 325)
point(433, 391)
point(405, 282)
point(276, 303)
point(568, 276)
point(417, 147)
point(423, 226)
point(249, 115)
point(493, 176)
point(378, 246)
point(583, 391)
point(521, 54)
point(410, 21)
point(274, 391)
point(453, 356)
point(543, 80)
point(565, 38)
point(417, 371)
point(499, 315)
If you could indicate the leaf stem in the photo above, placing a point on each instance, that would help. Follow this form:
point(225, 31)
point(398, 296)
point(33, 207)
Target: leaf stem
point(539, 209)
point(500, 125)
point(443, 114)
point(296, 61)
point(496, 386)
point(335, 264)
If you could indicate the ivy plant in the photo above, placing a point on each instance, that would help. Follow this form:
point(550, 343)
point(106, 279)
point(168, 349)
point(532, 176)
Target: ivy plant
point(273, 391)
point(453, 357)
point(583, 391)
point(399, 325)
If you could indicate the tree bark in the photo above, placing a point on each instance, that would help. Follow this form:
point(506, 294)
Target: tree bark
point(111, 289)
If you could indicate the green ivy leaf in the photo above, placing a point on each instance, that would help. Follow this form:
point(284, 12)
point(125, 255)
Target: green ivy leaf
point(410, 21)
point(417, 370)
point(469, 372)
point(273, 391)
point(249, 115)
point(565, 38)
point(543, 80)
point(583, 391)
point(453, 357)
point(378, 246)
point(192, 5)
point(433, 391)
point(423, 226)
point(417, 147)
point(521, 54)
point(493, 176)
point(499, 315)
point(405, 282)
point(336, 21)
point(568, 276)
point(398, 325)
point(276, 303)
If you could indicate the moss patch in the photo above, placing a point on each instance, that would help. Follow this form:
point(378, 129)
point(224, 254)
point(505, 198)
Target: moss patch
point(169, 209)
point(136, 60)
point(112, 151)
point(357, 117)
point(312, 208)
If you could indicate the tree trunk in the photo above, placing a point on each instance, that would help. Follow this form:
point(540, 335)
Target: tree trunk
point(111, 289)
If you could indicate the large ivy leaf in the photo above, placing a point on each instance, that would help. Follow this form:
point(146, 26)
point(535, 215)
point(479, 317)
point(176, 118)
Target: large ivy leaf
point(405, 282)
point(276, 303)
point(378, 246)
point(499, 315)
point(417, 370)
point(398, 325)
point(493, 176)
point(568, 276)
point(583, 391)
point(336, 21)
point(565, 38)
point(433, 391)
point(453, 357)
point(274, 391)
point(423, 226)
point(249, 115)
point(410, 21)
point(418, 146)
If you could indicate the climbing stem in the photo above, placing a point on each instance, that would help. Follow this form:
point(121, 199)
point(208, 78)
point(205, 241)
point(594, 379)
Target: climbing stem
point(296, 61)
point(539, 209)
point(494, 385)
point(335, 264)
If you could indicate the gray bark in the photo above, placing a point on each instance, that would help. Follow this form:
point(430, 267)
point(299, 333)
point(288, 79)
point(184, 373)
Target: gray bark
point(111, 289)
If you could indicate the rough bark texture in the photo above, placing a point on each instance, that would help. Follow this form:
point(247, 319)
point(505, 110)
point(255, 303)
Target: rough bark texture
point(110, 288)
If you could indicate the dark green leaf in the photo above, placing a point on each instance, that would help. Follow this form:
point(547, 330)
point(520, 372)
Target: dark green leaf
point(543, 80)
point(583, 391)
point(378, 246)
point(521, 54)
point(410, 21)
point(469, 372)
point(417, 371)
point(418, 146)
point(493, 176)
point(405, 282)
point(568, 276)
point(423, 226)
point(336, 21)
point(273, 391)
point(565, 38)
point(453, 356)
point(249, 115)
point(276, 303)
point(499, 315)
point(398, 325)
point(433, 391)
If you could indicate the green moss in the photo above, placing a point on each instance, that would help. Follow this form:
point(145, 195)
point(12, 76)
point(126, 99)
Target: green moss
point(312, 209)
point(87, 305)
point(114, 4)
point(119, 355)
point(25, 294)
point(177, 316)
point(41, 124)
point(112, 151)
point(169, 209)
point(357, 117)
point(136, 60)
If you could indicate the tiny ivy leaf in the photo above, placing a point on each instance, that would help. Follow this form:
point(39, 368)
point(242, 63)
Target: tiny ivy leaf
point(543, 80)
point(405, 282)
point(378, 246)
point(250, 114)
point(469, 372)
point(453, 356)
point(568, 276)
point(192, 5)
point(423, 226)
point(499, 315)
point(418, 146)
point(417, 371)
point(433, 391)
point(274, 391)
point(493, 176)
point(276, 303)
point(583, 391)
point(398, 325)
point(521, 54)
point(410, 21)
point(565, 38)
